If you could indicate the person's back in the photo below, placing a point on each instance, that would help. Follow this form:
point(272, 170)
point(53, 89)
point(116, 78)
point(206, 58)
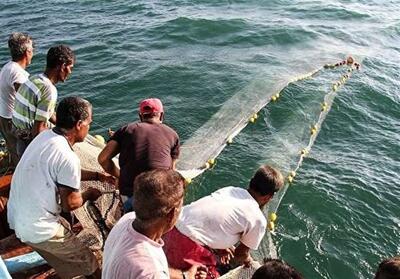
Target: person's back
point(219, 220)
point(144, 146)
point(125, 248)
point(133, 249)
point(12, 75)
point(230, 216)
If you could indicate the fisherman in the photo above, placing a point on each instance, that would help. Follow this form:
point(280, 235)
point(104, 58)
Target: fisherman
point(276, 269)
point(143, 146)
point(47, 182)
point(12, 75)
point(133, 249)
point(212, 225)
point(36, 99)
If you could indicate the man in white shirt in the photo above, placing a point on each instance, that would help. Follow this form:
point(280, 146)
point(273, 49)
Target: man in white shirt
point(47, 182)
point(12, 75)
point(133, 249)
point(214, 224)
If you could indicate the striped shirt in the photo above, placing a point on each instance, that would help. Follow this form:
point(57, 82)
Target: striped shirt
point(35, 100)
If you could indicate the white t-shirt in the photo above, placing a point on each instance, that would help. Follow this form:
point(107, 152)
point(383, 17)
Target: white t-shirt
point(224, 218)
point(129, 254)
point(34, 206)
point(11, 73)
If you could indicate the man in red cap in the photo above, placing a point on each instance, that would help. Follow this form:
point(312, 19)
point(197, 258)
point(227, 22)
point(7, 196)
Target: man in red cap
point(142, 146)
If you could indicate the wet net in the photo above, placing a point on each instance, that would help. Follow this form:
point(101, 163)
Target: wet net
point(97, 218)
point(289, 141)
point(210, 139)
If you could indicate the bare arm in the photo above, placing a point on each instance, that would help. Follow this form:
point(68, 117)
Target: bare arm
point(72, 199)
point(175, 273)
point(242, 254)
point(87, 175)
point(105, 158)
point(174, 161)
point(38, 127)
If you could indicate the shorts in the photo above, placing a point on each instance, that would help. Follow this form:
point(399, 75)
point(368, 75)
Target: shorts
point(182, 253)
point(67, 254)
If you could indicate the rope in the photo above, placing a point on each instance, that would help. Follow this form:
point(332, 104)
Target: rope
point(95, 214)
point(190, 174)
point(246, 273)
point(97, 217)
point(316, 127)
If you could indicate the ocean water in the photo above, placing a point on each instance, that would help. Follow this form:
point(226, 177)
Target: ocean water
point(341, 216)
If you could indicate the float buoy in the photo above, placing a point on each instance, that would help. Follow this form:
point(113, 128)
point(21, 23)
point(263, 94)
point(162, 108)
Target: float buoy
point(100, 139)
point(272, 216)
point(271, 225)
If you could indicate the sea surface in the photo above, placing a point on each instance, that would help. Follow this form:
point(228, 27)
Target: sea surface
point(341, 215)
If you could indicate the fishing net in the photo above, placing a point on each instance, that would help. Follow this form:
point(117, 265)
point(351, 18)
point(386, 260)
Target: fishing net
point(287, 139)
point(210, 139)
point(97, 218)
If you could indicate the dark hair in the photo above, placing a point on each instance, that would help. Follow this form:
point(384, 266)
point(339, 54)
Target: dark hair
point(150, 115)
point(58, 55)
point(267, 180)
point(153, 115)
point(156, 192)
point(18, 44)
point(276, 269)
point(389, 269)
point(71, 110)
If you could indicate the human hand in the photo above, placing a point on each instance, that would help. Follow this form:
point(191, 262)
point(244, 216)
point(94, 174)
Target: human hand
point(197, 272)
point(91, 194)
point(110, 132)
point(104, 177)
point(247, 261)
point(225, 255)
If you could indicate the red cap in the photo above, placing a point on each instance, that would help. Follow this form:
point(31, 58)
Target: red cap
point(150, 106)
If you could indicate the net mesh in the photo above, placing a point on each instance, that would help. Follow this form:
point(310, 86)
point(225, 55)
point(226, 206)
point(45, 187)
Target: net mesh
point(97, 218)
point(210, 139)
point(285, 140)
